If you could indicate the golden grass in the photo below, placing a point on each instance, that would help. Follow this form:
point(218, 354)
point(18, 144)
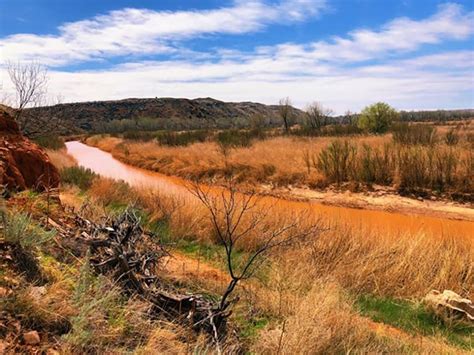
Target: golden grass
point(322, 321)
point(286, 161)
point(388, 264)
point(308, 289)
point(60, 158)
point(279, 160)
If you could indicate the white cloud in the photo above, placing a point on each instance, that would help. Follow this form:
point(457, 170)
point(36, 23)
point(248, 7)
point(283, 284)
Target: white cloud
point(314, 71)
point(401, 83)
point(398, 36)
point(143, 31)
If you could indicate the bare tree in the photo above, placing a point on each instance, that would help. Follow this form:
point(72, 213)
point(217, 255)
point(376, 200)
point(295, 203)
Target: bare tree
point(317, 116)
point(30, 82)
point(239, 220)
point(286, 113)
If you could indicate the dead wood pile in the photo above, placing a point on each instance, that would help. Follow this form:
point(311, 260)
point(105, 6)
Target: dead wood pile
point(119, 248)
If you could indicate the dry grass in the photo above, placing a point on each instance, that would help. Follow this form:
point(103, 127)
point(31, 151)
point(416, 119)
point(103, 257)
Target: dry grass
point(61, 159)
point(280, 160)
point(383, 263)
point(322, 321)
point(308, 291)
point(284, 161)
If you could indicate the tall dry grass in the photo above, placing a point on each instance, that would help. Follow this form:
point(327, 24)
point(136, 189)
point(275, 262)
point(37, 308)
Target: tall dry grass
point(386, 264)
point(314, 162)
point(61, 159)
point(308, 291)
point(279, 160)
point(322, 321)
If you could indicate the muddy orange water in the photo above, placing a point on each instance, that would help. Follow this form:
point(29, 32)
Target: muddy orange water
point(105, 165)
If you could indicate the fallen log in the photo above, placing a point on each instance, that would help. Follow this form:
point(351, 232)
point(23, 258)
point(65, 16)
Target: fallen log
point(122, 250)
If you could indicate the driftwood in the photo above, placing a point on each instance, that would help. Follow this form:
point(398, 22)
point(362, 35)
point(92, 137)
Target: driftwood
point(122, 250)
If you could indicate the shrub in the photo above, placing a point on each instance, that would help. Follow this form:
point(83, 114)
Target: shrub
point(235, 138)
point(336, 161)
point(19, 229)
point(182, 138)
point(329, 130)
point(375, 166)
point(139, 135)
point(406, 134)
point(79, 176)
point(413, 168)
point(25, 237)
point(52, 142)
point(452, 137)
point(377, 118)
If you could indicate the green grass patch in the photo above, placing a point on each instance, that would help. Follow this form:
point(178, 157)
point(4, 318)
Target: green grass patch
point(50, 142)
point(215, 255)
point(250, 327)
point(79, 176)
point(414, 318)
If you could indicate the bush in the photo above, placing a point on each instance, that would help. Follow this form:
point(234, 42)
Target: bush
point(337, 160)
point(53, 142)
point(25, 237)
point(139, 135)
point(377, 118)
point(375, 166)
point(19, 229)
point(329, 130)
point(182, 138)
point(79, 176)
point(236, 138)
point(452, 137)
point(406, 134)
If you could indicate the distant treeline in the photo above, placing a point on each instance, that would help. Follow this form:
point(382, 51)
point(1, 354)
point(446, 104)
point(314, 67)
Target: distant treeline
point(436, 116)
point(414, 116)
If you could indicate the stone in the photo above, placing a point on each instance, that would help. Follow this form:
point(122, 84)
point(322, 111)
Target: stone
point(3, 292)
point(3, 347)
point(450, 306)
point(31, 338)
point(37, 292)
point(23, 164)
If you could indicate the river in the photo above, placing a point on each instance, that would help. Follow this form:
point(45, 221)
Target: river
point(106, 165)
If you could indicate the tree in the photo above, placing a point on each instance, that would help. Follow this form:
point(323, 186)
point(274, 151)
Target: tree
point(377, 118)
point(240, 220)
point(286, 113)
point(317, 116)
point(30, 82)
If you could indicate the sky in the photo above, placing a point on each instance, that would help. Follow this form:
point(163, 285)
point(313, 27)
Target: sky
point(345, 54)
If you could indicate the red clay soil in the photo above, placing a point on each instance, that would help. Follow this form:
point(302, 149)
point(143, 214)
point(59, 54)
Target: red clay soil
point(23, 164)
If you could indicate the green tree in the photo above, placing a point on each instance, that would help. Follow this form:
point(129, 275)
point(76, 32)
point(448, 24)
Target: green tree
point(377, 118)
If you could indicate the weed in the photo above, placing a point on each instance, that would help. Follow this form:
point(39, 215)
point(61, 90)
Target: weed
point(337, 160)
point(52, 142)
point(406, 134)
point(414, 318)
point(79, 176)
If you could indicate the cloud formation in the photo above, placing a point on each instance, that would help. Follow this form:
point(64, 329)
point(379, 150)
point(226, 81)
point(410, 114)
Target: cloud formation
point(142, 31)
point(344, 72)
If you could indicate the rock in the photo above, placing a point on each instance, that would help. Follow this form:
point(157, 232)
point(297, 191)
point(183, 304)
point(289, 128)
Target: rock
point(23, 164)
point(450, 306)
point(3, 347)
point(3, 293)
point(31, 338)
point(37, 292)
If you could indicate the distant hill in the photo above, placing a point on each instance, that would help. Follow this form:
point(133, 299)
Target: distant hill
point(168, 113)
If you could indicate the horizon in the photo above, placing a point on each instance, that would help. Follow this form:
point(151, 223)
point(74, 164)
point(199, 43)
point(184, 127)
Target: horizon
point(236, 102)
point(346, 55)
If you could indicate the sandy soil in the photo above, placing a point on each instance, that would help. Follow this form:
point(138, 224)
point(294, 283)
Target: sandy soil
point(380, 199)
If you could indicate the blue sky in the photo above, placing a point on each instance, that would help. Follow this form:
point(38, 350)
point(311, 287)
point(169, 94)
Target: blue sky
point(413, 54)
